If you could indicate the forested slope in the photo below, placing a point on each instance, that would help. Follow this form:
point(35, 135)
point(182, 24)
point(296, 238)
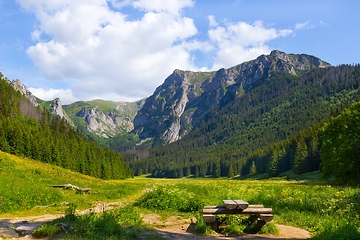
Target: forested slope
point(271, 128)
point(29, 131)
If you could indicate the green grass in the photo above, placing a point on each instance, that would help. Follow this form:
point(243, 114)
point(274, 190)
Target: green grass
point(317, 208)
point(328, 212)
point(122, 223)
point(25, 184)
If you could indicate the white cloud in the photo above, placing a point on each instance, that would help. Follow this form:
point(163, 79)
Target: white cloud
point(304, 25)
point(212, 21)
point(100, 53)
point(104, 53)
point(239, 42)
point(65, 95)
point(171, 6)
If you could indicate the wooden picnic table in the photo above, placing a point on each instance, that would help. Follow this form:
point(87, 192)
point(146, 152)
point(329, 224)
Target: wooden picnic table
point(256, 211)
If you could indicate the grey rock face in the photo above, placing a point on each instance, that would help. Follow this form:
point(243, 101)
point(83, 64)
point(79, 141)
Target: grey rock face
point(57, 109)
point(98, 123)
point(107, 125)
point(177, 104)
point(19, 86)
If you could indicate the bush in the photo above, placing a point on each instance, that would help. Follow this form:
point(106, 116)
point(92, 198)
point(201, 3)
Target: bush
point(46, 230)
point(201, 226)
point(170, 198)
point(270, 228)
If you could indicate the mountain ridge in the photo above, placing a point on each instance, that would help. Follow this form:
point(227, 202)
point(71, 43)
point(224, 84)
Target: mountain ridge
point(185, 96)
point(174, 108)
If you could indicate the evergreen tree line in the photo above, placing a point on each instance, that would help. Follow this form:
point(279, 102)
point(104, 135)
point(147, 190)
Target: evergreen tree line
point(29, 131)
point(272, 127)
point(300, 153)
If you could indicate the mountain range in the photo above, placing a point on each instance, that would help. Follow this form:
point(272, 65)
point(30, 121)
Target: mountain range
point(175, 106)
point(227, 117)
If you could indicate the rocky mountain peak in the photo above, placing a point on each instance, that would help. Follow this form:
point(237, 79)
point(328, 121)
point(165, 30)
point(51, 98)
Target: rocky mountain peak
point(2, 77)
point(56, 108)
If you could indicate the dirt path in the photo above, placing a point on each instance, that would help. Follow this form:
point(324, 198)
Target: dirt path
point(11, 227)
point(174, 227)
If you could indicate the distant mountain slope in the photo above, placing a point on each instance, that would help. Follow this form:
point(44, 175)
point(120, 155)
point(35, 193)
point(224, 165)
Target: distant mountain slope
point(251, 127)
point(103, 118)
point(185, 96)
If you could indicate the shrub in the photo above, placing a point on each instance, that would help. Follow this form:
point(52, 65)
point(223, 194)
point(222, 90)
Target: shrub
point(46, 230)
point(170, 198)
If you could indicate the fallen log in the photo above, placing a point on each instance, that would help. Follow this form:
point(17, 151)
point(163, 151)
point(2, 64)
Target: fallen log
point(84, 190)
point(73, 187)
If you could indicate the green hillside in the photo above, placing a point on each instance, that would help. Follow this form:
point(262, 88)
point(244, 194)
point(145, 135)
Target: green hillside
point(29, 131)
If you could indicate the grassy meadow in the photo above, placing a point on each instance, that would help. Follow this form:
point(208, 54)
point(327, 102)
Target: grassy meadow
point(328, 212)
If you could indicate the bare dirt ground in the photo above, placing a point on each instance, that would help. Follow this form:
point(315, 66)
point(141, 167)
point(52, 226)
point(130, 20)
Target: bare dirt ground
point(174, 227)
point(178, 228)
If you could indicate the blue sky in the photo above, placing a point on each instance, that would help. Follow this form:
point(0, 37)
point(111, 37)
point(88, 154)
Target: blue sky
point(121, 50)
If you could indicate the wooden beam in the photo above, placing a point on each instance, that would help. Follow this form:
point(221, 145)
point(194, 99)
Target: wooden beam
point(255, 206)
point(212, 207)
point(266, 217)
point(224, 210)
point(241, 204)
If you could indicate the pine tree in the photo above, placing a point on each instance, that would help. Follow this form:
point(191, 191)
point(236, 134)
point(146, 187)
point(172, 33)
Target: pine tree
point(252, 168)
point(231, 171)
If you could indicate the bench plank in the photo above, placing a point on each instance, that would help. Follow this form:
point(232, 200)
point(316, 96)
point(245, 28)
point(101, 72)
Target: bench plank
point(224, 210)
point(241, 204)
point(230, 204)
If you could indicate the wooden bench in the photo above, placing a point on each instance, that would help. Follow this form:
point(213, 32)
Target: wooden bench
point(256, 212)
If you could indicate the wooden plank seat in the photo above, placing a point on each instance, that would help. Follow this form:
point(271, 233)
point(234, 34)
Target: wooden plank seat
point(232, 204)
point(256, 211)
